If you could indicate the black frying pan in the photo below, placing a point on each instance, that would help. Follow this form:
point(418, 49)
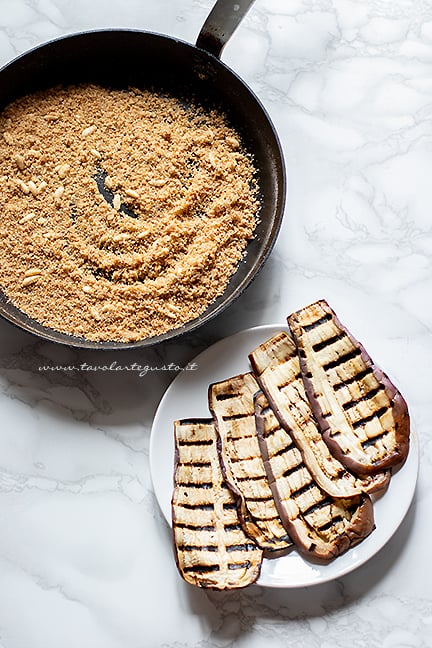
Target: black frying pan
point(123, 58)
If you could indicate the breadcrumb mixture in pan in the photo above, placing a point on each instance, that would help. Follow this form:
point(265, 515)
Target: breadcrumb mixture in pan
point(124, 213)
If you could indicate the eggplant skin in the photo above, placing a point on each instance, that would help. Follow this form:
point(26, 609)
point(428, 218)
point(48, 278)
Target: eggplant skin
point(210, 547)
point(376, 456)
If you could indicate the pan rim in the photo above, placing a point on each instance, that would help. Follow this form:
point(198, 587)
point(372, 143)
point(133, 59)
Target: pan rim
point(9, 312)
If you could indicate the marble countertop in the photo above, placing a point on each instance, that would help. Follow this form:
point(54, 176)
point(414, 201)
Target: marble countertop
point(85, 554)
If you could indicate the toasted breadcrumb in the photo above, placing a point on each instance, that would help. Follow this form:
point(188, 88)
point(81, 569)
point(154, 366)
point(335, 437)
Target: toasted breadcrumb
point(179, 206)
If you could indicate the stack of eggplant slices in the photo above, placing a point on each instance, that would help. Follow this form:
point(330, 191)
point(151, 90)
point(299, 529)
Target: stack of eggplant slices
point(290, 456)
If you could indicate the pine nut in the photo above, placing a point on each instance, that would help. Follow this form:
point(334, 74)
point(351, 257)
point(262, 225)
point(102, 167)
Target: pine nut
point(95, 313)
point(233, 142)
point(117, 202)
point(158, 182)
point(172, 311)
point(22, 185)
point(26, 218)
point(33, 188)
point(30, 280)
point(58, 193)
point(19, 160)
point(31, 272)
point(121, 237)
point(143, 234)
point(63, 170)
point(88, 131)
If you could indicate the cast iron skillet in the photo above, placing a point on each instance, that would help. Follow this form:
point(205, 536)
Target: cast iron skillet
point(123, 58)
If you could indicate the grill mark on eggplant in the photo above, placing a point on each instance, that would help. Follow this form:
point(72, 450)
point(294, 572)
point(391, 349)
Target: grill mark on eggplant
point(192, 484)
point(293, 470)
point(255, 478)
point(302, 490)
point(226, 396)
point(284, 450)
point(243, 565)
point(195, 442)
point(358, 377)
point(316, 506)
point(331, 523)
point(322, 320)
point(342, 359)
point(267, 518)
point(190, 422)
point(366, 419)
point(209, 548)
point(370, 394)
point(266, 498)
point(230, 506)
point(197, 464)
point(246, 546)
point(195, 527)
point(197, 507)
point(233, 527)
point(270, 432)
point(235, 417)
point(242, 459)
point(374, 439)
point(233, 439)
point(201, 569)
point(319, 346)
point(288, 382)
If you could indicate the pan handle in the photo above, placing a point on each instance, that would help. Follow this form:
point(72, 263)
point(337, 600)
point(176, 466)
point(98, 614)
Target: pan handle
point(221, 23)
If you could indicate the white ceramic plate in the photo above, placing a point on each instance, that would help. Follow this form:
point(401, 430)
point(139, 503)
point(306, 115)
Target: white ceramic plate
point(186, 397)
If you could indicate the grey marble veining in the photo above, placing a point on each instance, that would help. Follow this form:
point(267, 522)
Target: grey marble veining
point(85, 554)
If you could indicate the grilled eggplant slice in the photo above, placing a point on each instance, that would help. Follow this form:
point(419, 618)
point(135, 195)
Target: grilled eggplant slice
point(211, 548)
point(232, 405)
point(322, 527)
point(362, 416)
point(277, 369)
